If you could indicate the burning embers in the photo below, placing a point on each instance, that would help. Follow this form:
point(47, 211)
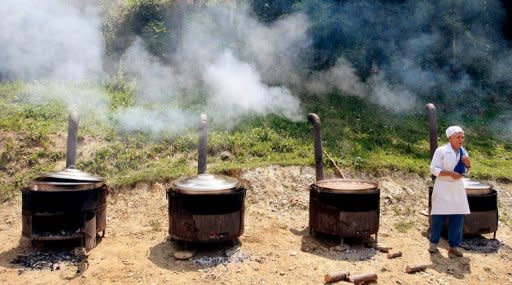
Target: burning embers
point(67, 204)
point(341, 207)
point(205, 207)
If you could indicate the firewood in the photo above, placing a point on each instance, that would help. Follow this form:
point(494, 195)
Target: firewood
point(336, 276)
point(415, 268)
point(384, 249)
point(394, 254)
point(363, 278)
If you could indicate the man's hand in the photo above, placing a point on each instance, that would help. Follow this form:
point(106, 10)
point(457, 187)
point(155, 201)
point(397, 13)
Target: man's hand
point(466, 161)
point(455, 175)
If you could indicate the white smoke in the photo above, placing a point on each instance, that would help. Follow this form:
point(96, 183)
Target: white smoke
point(275, 49)
point(206, 69)
point(393, 97)
point(50, 39)
point(155, 121)
point(155, 81)
point(237, 88)
point(341, 77)
point(229, 65)
point(57, 47)
point(77, 97)
point(157, 87)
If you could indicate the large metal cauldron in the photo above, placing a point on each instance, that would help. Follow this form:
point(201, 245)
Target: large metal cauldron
point(482, 197)
point(206, 207)
point(341, 207)
point(67, 204)
point(483, 205)
point(344, 207)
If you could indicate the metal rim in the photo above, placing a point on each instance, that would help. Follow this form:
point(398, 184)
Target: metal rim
point(51, 186)
point(475, 187)
point(69, 174)
point(206, 184)
point(374, 186)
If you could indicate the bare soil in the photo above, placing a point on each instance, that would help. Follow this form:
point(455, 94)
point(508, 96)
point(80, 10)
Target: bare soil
point(276, 247)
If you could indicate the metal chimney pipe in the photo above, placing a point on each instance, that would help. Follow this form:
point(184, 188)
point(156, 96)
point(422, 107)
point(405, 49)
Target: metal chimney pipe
point(203, 137)
point(72, 140)
point(432, 124)
point(317, 135)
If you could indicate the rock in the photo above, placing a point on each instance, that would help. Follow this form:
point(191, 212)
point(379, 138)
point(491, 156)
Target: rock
point(338, 248)
point(225, 155)
point(231, 251)
point(184, 254)
point(293, 253)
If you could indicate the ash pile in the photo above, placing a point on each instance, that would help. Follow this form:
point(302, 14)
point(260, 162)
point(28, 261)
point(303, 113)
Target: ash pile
point(481, 244)
point(234, 255)
point(51, 260)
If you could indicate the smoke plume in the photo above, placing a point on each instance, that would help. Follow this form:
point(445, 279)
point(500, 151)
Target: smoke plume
point(228, 64)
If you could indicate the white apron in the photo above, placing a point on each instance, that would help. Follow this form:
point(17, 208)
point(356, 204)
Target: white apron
point(449, 197)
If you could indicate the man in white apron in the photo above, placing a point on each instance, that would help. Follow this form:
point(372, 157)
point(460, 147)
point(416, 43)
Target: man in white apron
point(449, 199)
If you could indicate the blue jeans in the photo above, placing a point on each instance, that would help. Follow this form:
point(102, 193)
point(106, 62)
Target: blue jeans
point(455, 228)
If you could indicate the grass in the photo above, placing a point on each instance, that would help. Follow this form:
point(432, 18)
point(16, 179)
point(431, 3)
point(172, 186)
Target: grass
point(404, 226)
point(358, 135)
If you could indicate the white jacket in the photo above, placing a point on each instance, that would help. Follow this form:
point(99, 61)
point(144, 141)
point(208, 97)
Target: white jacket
point(449, 196)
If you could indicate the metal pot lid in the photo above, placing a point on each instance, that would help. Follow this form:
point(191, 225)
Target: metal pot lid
point(339, 185)
point(53, 186)
point(68, 175)
point(205, 184)
point(475, 185)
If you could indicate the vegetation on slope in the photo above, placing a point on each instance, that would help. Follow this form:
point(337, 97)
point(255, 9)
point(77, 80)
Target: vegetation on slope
point(356, 134)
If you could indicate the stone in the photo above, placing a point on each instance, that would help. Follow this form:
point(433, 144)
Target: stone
point(184, 254)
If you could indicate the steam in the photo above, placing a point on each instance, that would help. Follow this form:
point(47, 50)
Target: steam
point(229, 65)
point(206, 71)
point(236, 88)
point(50, 39)
point(341, 77)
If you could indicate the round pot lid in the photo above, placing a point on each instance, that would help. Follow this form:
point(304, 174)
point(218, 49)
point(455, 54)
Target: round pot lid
point(52, 186)
point(68, 175)
point(339, 185)
point(476, 187)
point(205, 184)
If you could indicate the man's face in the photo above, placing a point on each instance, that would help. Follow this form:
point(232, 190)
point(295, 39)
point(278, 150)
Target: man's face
point(457, 140)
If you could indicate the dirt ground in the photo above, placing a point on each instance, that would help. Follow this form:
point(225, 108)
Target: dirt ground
point(276, 247)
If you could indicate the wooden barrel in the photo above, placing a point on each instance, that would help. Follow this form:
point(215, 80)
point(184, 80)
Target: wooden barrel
point(344, 207)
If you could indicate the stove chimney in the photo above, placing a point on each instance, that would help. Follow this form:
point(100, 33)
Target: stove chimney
point(72, 140)
point(203, 137)
point(432, 124)
point(319, 167)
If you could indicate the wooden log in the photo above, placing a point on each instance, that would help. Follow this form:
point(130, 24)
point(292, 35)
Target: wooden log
point(336, 276)
point(415, 268)
point(394, 254)
point(384, 249)
point(362, 278)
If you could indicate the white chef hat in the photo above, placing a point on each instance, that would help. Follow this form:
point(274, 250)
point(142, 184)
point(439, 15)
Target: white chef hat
point(451, 130)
